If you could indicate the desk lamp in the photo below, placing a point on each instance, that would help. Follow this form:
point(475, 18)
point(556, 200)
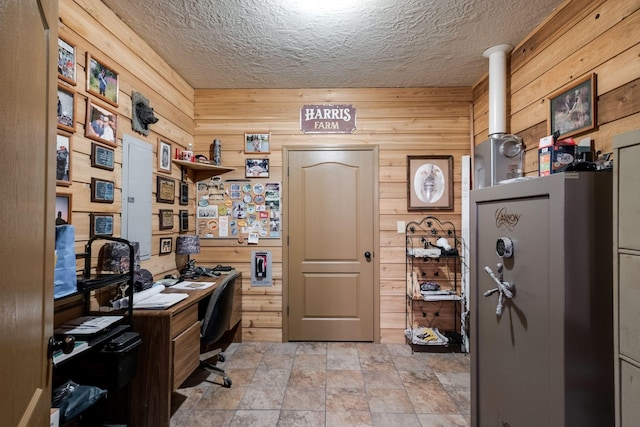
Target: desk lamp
point(187, 245)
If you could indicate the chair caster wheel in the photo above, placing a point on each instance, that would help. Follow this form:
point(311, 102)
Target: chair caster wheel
point(227, 382)
point(221, 357)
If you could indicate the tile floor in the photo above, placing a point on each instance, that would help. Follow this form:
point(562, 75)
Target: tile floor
point(328, 384)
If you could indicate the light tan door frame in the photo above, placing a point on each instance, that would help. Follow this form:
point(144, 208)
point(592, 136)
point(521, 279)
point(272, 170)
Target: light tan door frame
point(375, 219)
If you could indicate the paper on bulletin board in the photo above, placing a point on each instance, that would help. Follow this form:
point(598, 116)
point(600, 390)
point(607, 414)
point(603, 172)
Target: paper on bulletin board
point(238, 208)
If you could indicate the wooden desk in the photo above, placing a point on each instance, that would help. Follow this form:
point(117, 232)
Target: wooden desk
point(169, 353)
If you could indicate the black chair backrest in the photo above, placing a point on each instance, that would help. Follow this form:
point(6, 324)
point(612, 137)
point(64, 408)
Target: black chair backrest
point(217, 317)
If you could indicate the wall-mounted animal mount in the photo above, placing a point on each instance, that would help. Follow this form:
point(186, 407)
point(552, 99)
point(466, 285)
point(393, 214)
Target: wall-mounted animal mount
point(142, 114)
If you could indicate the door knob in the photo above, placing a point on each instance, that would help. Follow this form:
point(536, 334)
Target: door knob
point(367, 255)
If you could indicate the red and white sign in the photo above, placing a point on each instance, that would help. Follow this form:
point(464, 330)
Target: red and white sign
point(328, 118)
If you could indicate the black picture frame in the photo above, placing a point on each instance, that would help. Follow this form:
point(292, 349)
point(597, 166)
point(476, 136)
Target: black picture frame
point(165, 190)
point(166, 219)
point(100, 224)
point(184, 220)
point(102, 157)
point(102, 190)
point(184, 193)
point(166, 245)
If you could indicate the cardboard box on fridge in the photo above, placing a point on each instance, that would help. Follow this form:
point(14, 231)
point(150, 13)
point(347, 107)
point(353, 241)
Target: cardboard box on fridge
point(554, 156)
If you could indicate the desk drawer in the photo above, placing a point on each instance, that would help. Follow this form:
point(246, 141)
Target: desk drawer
point(186, 354)
point(183, 320)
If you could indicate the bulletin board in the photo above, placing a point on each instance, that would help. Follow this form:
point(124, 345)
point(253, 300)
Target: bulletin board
point(247, 208)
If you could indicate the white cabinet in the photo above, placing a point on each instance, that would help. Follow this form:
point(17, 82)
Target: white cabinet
point(626, 278)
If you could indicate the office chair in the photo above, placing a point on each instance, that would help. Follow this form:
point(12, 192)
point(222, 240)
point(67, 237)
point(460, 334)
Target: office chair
point(216, 321)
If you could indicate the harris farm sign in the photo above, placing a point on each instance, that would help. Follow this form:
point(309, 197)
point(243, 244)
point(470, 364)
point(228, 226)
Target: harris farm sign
point(328, 118)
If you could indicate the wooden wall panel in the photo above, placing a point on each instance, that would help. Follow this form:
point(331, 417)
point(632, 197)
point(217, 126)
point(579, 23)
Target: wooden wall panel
point(581, 37)
point(92, 27)
point(401, 122)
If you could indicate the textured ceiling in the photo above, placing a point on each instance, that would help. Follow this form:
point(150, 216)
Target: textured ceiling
point(330, 44)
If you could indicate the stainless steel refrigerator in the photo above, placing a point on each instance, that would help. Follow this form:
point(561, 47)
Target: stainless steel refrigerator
point(541, 301)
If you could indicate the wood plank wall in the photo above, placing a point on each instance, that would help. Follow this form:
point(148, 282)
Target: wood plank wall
point(581, 37)
point(93, 28)
point(421, 121)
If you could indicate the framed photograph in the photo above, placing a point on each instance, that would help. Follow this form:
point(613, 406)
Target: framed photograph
point(164, 156)
point(102, 81)
point(256, 168)
point(184, 220)
point(63, 159)
point(166, 190)
point(101, 124)
point(257, 143)
point(66, 109)
point(63, 209)
point(100, 224)
point(102, 191)
point(102, 157)
point(572, 109)
point(429, 182)
point(184, 193)
point(66, 61)
point(166, 245)
point(166, 219)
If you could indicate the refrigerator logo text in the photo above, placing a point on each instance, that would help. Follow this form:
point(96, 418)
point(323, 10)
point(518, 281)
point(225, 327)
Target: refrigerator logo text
point(506, 220)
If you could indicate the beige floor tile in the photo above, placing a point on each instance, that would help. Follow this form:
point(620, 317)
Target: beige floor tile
point(346, 400)
point(377, 362)
point(270, 377)
point(254, 418)
point(262, 398)
point(307, 378)
point(310, 361)
point(391, 401)
point(304, 399)
point(342, 348)
point(429, 420)
point(394, 420)
point(382, 380)
point(222, 398)
point(312, 348)
point(328, 385)
point(349, 419)
point(345, 379)
point(302, 419)
point(434, 400)
point(277, 361)
point(343, 362)
point(208, 418)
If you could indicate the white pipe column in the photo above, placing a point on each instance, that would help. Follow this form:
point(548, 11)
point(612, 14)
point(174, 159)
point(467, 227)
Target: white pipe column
point(497, 87)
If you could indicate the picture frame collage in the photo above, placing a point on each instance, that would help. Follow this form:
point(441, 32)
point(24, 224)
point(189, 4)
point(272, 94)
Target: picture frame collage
point(101, 91)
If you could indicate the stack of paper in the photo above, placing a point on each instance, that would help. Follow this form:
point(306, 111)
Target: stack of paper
point(151, 299)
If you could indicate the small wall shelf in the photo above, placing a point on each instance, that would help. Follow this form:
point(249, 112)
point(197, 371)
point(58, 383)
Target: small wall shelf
point(200, 171)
